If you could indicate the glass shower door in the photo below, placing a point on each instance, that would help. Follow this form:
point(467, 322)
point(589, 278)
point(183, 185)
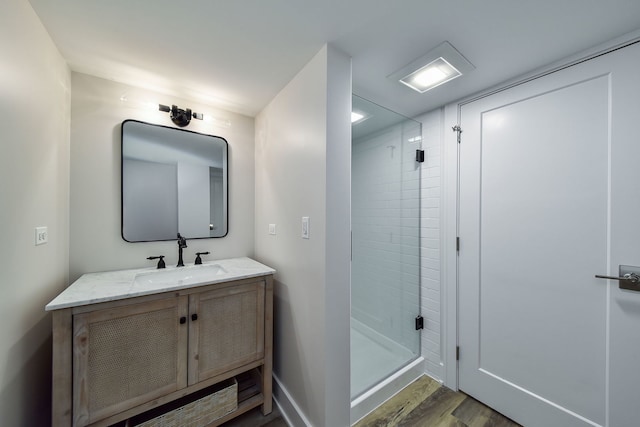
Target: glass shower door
point(385, 221)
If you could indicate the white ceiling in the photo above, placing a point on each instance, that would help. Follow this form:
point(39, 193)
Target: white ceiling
point(238, 54)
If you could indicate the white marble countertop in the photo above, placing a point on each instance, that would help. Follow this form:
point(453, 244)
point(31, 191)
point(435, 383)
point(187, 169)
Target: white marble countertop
point(94, 288)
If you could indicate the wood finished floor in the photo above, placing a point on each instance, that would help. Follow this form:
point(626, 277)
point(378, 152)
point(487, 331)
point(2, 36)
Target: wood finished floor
point(424, 403)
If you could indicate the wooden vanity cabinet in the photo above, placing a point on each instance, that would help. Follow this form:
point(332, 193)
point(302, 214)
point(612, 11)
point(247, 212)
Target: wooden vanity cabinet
point(213, 349)
point(126, 356)
point(118, 359)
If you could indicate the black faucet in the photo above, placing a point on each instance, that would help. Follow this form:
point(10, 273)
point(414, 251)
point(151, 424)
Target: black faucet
point(161, 263)
point(198, 259)
point(182, 243)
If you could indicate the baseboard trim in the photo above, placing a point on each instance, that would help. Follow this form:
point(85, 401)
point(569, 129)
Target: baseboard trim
point(290, 410)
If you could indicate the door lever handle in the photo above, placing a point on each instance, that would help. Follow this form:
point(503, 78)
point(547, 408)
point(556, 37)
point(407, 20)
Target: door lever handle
point(629, 277)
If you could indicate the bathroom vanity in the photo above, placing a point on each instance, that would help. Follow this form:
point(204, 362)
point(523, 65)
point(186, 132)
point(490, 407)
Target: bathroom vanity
point(129, 343)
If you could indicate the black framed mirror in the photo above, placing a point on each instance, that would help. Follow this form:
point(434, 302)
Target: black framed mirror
point(173, 181)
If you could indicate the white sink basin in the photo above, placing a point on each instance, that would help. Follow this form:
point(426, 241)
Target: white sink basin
point(181, 275)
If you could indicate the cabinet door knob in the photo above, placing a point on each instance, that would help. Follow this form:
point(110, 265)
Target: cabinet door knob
point(194, 317)
point(183, 320)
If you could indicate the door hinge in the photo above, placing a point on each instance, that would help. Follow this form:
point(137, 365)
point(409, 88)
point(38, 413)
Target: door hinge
point(419, 322)
point(458, 353)
point(457, 244)
point(457, 129)
point(420, 156)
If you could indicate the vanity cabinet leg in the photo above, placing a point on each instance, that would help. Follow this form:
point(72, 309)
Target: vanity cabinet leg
point(61, 367)
point(267, 369)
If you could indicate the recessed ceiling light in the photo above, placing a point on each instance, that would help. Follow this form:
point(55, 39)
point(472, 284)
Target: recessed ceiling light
point(438, 66)
point(357, 117)
point(431, 75)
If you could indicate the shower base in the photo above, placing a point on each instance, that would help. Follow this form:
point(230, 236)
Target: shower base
point(380, 368)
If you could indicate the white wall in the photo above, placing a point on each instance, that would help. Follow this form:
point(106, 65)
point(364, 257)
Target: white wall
point(96, 115)
point(303, 156)
point(338, 244)
point(34, 191)
point(430, 242)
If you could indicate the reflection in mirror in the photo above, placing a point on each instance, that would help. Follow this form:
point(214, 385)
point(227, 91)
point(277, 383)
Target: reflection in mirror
point(173, 181)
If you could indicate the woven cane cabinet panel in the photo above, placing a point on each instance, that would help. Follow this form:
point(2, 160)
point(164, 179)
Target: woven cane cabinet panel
point(126, 356)
point(118, 360)
point(215, 350)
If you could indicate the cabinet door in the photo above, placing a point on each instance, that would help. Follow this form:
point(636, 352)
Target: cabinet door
point(126, 356)
point(228, 330)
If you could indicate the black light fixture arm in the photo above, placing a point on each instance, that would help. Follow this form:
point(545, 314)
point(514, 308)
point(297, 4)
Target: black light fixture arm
point(179, 116)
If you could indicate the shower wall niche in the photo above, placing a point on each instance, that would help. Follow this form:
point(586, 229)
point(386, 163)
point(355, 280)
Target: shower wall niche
point(385, 278)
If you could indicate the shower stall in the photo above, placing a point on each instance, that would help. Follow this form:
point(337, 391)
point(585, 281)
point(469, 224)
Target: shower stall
point(385, 269)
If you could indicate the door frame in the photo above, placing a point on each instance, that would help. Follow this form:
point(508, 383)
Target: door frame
point(450, 196)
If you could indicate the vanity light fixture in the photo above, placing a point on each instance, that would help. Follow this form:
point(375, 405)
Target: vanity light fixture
point(438, 66)
point(179, 116)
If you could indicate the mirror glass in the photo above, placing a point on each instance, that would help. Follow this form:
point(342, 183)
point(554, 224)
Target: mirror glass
point(173, 181)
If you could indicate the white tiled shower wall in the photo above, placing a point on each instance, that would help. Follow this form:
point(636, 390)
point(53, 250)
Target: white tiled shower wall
point(430, 244)
point(385, 224)
point(390, 236)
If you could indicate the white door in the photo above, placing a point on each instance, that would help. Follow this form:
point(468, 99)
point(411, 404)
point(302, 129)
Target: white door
point(549, 197)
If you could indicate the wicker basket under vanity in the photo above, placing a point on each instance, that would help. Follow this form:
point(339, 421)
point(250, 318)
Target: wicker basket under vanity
point(218, 402)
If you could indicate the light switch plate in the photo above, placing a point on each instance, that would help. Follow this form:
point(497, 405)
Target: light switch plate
point(305, 227)
point(272, 229)
point(42, 235)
